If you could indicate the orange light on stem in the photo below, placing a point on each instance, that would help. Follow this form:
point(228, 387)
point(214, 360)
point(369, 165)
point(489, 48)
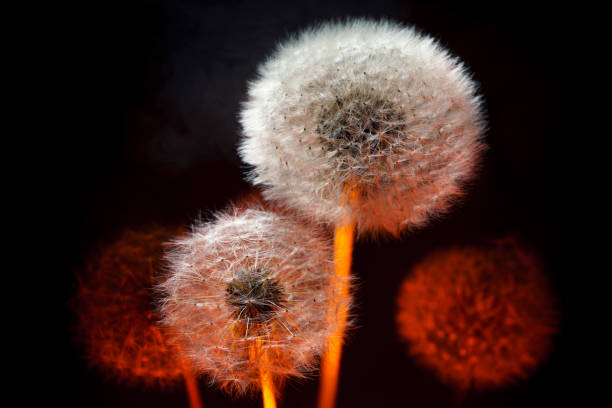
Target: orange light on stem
point(258, 353)
point(193, 393)
point(330, 366)
point(267, 389)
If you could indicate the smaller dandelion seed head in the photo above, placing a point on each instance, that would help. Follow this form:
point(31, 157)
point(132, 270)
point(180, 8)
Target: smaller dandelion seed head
point(479, 316)
point(239, 294)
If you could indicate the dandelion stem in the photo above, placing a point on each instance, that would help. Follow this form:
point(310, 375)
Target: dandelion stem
point(330, 366)
point(260, 354)
point(267, 389)
point(191, 386)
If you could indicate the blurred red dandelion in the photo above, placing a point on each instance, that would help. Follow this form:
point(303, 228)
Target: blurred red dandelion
point(117, 319)
point(478, 316)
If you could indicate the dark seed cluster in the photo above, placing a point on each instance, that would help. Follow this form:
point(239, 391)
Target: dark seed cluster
point(254, 296)
point(359, 124)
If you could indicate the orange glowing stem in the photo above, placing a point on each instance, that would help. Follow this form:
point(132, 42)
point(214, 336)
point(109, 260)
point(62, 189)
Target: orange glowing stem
point(267, 389)
point(330, 366)
point(267, 384)
point(191, 385)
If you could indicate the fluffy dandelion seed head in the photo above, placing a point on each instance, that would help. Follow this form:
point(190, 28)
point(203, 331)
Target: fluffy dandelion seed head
point(251, 291)
point(118, 321)
point(370, 107)
point(479, 317)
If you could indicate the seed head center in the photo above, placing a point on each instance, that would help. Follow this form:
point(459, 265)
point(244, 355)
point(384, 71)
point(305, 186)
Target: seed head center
point(254, 296)
point(360, 123)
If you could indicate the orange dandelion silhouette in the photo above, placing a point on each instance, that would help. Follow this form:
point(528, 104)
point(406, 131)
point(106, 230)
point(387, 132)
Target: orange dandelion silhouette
point(116, 311)
point(478, 316)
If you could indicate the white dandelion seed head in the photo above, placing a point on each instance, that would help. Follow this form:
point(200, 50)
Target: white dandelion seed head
point(370, 108)
point(252, 290)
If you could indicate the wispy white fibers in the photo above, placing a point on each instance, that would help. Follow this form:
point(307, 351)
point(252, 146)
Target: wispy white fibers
point(364, 121)
point(251, 291)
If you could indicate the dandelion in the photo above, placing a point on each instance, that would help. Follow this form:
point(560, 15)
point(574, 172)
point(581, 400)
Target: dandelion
point(250, 296)
point(478, 316)
point(368, 126)
point(117, 318)
point(369, 122)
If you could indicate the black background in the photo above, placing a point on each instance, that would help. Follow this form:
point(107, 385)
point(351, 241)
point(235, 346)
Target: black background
point(158, 88)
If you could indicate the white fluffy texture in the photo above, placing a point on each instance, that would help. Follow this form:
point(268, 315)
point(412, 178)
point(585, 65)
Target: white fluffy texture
point(220, 337)
point(366, 121)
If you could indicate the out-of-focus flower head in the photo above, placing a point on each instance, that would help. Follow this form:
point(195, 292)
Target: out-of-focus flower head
point(478, 316)
point(367, 121)
point(117, 316)
point(251, 291)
